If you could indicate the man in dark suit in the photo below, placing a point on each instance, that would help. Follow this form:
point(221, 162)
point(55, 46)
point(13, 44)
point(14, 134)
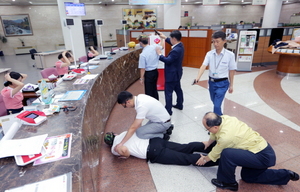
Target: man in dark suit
point(173, 69)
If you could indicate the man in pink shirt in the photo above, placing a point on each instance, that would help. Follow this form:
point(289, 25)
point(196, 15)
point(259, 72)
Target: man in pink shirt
point(62, 65)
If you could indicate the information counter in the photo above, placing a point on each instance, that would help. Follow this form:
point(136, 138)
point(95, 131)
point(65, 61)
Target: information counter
point(86, 123)
point(288, 63)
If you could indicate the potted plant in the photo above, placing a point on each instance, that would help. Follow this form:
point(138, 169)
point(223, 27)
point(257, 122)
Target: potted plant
point(23, 44)
point(3, 40)
point(110, 35)
point(188, 25)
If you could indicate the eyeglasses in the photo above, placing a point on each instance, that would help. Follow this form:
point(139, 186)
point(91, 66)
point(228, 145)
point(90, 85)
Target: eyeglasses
point(208, 128)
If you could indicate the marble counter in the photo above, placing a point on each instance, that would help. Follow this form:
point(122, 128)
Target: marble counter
point(86, 124)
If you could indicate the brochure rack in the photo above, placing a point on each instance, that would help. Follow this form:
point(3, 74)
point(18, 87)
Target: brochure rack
point(245, 51)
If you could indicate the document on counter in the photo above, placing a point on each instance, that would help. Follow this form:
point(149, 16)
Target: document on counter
point(62, 183)
point(90, 76)
point(28, 146)
point(72, 95)
point(81, 81)
point(57, 148)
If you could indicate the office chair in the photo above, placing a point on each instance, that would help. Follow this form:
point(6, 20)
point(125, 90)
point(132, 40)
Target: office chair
point(32, 52)
point(49, 71)
point(83, 59)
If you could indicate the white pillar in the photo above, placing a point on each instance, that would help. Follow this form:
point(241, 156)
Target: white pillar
point(272, 13)
point(76, 31)
point(172, 15)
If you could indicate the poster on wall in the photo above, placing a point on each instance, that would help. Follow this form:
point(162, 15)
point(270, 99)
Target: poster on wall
point(140, 18)
point(16, 25)
point(296, 33)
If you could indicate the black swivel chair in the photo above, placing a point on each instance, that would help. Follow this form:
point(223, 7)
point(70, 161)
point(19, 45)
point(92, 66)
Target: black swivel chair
point(32, 52)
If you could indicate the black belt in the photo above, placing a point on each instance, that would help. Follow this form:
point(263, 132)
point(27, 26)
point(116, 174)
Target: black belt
point(152, 70)
point(217, 80)
point(147, 154)
point(167, 121)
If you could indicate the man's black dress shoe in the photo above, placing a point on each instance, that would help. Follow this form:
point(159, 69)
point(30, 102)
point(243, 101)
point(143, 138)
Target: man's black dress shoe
point(176, 107)
point(222, 185)
point(169, 131)
point(293, 175)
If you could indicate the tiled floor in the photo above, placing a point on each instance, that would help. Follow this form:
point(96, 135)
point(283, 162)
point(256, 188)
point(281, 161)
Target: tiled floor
point(269, 103)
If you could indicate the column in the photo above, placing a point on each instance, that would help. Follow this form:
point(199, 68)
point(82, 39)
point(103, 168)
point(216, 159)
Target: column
point(172, 15)
point(72, 33)
point(272, 13)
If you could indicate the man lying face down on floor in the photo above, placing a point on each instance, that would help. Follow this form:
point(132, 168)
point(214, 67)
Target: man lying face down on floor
point(157, 150)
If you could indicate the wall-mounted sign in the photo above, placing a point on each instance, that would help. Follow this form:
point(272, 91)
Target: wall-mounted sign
point(259, 2)
point(211, 2)
point(151, 2)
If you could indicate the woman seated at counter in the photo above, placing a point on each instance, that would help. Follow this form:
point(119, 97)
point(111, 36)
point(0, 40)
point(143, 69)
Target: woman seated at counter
point(62, 65)
point(92, 52)
point(12, 94)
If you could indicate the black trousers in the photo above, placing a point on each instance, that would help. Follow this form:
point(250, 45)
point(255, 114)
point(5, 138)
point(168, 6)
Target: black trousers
point(169, 88)
point(150, 81)
point(254, 167)
point(166, 152)
point(13, 111)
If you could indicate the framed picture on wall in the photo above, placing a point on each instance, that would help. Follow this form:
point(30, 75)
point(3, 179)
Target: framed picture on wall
point(140, 18)
point(16, 25)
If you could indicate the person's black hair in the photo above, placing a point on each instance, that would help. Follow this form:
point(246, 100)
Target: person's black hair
point(176, 34)
point(241, 22)
point(180, 27)
point(143, 39)
point(212, 119)
point(68, 55)
point(219, 34)
point(124, 96)
point(13, 75)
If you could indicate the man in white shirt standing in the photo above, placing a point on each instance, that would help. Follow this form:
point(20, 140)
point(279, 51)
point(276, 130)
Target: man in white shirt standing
point(148, 63)
point(159, 124)
point(222, 67)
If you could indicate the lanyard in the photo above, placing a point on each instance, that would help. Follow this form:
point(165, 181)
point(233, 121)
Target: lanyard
point(217, 66)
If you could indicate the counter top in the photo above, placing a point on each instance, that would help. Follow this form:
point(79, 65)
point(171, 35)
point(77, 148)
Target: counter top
point(86, 124)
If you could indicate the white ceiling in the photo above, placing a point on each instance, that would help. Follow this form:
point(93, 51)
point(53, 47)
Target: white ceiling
point(125, 2)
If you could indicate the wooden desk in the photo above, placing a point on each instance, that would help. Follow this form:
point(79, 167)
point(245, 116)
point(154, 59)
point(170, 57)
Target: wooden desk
point(47, 59)
point(28, 95)
point(288, 63)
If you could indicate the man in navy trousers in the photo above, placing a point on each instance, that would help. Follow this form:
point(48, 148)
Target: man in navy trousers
point(173, 69)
